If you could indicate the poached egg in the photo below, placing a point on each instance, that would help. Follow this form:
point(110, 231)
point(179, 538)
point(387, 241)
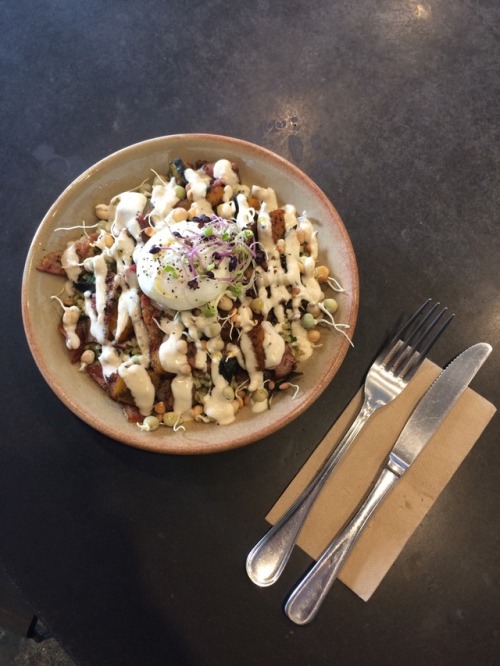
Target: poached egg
point(182, 266)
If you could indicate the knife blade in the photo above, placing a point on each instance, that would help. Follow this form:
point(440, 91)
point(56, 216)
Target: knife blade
point(307, 597)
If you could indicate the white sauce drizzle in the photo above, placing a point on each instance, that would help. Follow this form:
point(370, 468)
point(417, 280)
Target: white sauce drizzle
point(110, 360)
point(274, 345)
point(163, 198)
point(223, 170)
point(173, 354)
point(140, 386)
point(217, 407)
point(96, 316)
point(182, 390)
point(70, 262)
point(128, 205)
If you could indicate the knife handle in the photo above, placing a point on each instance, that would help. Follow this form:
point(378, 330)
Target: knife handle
point(307, 597)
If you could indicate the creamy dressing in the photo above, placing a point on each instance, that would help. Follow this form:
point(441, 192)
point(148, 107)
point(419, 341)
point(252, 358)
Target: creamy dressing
point(97, 314)
point(245, 212)
point(218, 407)
point(122, 251)
point(70, 262)
point(129, 309)
point(182, 390)
point(163, 199)
point(255, 376)
point(274, 345)
point(70, 320)
point(223, 170)
point(128, 206)
point(173, 349)
point(140, 386)
point(110, 360)
point(198, 182)
point(267, 195)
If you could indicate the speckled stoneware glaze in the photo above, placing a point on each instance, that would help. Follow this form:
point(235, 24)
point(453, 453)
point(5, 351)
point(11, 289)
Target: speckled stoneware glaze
point(124, 170)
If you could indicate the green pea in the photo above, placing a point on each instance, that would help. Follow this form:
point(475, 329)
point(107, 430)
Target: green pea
point(307, 321)
point(330, 305)
point(259, 395)
point(151, 422)
point(170, 419)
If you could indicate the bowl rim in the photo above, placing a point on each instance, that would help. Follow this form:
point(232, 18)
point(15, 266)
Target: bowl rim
point(152, 443)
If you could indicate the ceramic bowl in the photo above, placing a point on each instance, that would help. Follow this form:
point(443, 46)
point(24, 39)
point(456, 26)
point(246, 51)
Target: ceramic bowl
point(124, 170)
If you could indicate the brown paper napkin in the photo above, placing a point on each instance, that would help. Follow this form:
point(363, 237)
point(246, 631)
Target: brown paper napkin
point(404, 508)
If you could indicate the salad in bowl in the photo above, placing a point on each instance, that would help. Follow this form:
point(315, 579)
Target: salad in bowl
point(198, 297)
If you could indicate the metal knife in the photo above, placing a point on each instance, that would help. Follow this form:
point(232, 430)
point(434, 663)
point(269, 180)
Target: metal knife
point(306, 599)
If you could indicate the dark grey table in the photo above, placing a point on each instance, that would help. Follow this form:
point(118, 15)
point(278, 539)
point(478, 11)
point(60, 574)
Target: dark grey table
point(392, 107)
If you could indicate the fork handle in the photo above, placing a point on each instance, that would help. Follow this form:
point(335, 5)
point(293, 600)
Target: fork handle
point(307, 597)
point(268, 558)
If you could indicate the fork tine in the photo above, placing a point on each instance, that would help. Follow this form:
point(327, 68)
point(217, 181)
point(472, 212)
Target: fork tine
point(413, 355)
point(416, 335)
point(411, 368)
point(396, 343)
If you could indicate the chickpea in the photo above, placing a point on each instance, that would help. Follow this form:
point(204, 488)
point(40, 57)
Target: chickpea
point(102, 211)
point(225, 304)
point(108, 240)
point(322, 273)
point(160, 408)
point(179, 214)
point(197, 410)
point(88, 356)
point(314, 336)
point(314, 309)
point(257, 305)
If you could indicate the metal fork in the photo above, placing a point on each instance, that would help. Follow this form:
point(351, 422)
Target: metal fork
point(387, 377)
